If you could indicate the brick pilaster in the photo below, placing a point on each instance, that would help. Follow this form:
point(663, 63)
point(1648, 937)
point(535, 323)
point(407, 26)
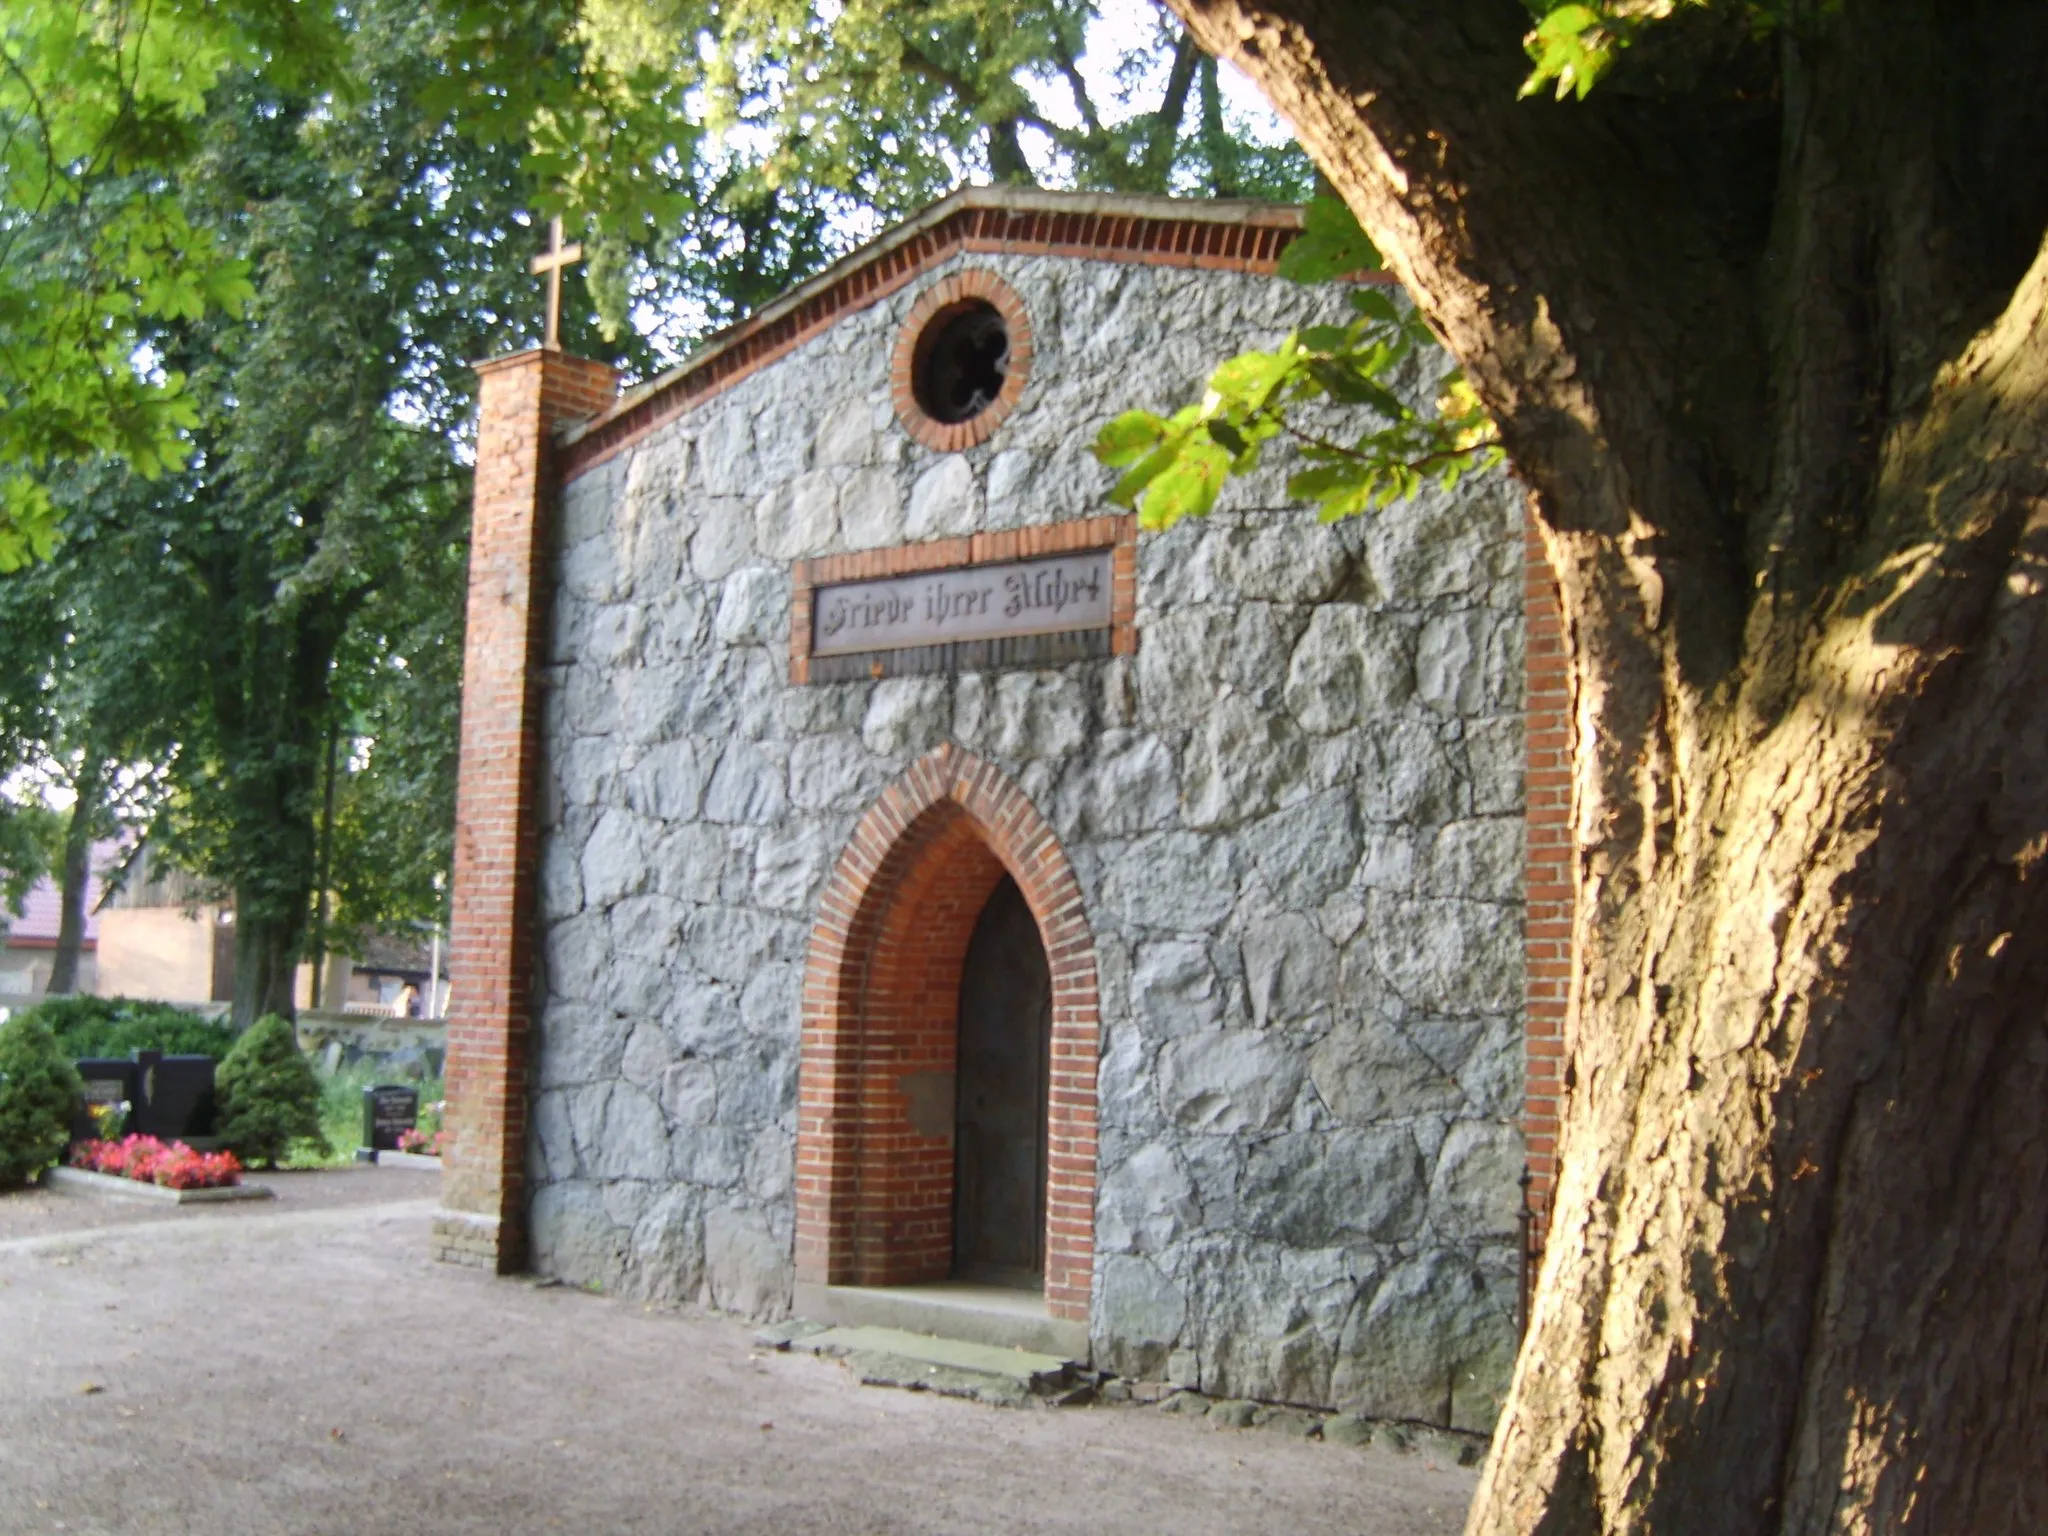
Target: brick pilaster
point(1547, 889)
point(524, 399)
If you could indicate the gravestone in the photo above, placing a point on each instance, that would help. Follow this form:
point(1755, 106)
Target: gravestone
point(107, 1081)
point(176, 1101)
point(389, 1110)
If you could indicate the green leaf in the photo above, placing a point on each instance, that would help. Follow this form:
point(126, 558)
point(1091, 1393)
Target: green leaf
point(1228, 438)
point(1247, 381)
point(1351, 387)
point(1128, 437)
point(1126, 491)
point(1188, 487)
point(1331, 245)
point(1314, 484)
point(1375, 304)
point(1572, 46)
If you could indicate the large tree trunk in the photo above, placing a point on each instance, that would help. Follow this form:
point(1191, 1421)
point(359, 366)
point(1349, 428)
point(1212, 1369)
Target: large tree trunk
point(1765, 326)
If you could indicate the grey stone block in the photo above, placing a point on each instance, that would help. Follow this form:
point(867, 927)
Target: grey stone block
point(1228, 1081)
point(746, 1270)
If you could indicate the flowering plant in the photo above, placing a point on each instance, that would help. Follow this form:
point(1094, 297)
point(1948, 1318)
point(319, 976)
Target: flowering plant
point(149, 1161)
point(109, 1120)
point(132, 1157)
point(420, 1143)
point(182, 1168)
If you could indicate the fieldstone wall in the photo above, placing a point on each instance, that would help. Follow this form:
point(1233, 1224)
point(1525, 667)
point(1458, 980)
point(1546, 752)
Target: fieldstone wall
point(1296, 816)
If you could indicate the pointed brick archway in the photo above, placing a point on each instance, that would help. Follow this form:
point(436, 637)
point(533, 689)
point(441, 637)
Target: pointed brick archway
point(874, 1186)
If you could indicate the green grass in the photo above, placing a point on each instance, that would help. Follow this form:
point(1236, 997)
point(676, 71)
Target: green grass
point(341, 1113)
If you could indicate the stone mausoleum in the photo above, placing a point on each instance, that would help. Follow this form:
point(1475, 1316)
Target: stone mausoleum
point(889, 882)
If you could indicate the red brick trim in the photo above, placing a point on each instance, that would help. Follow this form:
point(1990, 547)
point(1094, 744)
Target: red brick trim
point(1118, 534)
point(881, 995)
point(1547, 866)
point(933, 308)
point(497, 799)
point(1244, 239)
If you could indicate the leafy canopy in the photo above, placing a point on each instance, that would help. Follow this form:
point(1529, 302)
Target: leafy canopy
point(708, 154)
point(99, 100)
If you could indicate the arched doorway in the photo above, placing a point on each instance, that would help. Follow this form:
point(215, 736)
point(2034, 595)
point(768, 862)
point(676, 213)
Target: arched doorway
point(951, 856)
point(1002, 1063)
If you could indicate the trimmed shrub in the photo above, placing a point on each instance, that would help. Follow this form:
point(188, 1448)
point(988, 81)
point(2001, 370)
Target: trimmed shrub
point(269, 1097)
point(77, 1016)
point(121, 1026)
point(39, 1090)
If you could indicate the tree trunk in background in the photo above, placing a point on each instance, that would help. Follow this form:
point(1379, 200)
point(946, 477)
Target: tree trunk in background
point(323, 878)
point(266, 967)
point(277, 714)
point(1765, 327)
point(74, 879)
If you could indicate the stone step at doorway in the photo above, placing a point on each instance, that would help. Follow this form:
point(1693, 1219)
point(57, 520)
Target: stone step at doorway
point(896, 1357)
point(949, 1309)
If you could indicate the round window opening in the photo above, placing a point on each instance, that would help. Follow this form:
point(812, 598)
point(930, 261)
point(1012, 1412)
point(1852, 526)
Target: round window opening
point(963, 356)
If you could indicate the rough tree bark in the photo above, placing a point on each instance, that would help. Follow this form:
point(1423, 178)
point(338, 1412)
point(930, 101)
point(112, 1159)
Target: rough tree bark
point(1764, 322)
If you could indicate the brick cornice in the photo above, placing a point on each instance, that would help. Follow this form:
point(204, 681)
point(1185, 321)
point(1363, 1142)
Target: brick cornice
point(1154, 231)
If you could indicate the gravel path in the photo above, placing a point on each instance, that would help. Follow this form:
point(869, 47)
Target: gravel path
point(299, 1366)
point(37, 1213)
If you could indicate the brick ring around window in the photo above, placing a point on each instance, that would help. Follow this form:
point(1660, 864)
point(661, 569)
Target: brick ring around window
point(961, 360)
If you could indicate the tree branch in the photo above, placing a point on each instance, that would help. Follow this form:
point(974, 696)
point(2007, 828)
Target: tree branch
point(1162, 136)
point(1069, 66)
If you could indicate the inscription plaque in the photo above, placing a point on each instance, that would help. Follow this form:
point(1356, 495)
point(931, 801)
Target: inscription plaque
point(1048, 596)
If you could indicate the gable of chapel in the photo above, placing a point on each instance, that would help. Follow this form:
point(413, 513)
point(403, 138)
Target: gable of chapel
point(1259, 782)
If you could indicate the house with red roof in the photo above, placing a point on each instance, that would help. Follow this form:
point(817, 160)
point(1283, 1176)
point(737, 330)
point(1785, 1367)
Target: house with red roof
point(28, 945)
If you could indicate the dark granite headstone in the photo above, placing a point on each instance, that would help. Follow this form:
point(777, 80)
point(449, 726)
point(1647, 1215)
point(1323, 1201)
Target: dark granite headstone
point(107, 1081)
point(388, 1109)
point(177, 1100)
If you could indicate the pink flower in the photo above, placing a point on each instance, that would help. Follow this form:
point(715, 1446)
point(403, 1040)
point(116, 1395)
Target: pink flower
point(149, 1161)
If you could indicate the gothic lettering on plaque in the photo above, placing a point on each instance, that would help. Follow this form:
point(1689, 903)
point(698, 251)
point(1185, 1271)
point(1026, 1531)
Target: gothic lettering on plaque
point(981, 602)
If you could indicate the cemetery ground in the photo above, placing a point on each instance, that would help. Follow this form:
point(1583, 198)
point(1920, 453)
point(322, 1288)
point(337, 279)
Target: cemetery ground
point(301, 1366)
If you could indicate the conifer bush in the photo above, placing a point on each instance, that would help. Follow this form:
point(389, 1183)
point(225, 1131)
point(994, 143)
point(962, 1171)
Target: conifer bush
point(268, 1095)
point(39, 1091)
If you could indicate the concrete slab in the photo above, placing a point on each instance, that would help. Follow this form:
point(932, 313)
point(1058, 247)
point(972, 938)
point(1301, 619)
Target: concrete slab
point(78, 1181)
point(979, 1314)
point(953, 1354)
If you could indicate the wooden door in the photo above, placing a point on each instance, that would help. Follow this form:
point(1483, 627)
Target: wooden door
point(1000, 1099)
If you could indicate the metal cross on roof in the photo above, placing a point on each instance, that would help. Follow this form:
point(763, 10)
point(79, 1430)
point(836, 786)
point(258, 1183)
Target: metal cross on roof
point(551, 261)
